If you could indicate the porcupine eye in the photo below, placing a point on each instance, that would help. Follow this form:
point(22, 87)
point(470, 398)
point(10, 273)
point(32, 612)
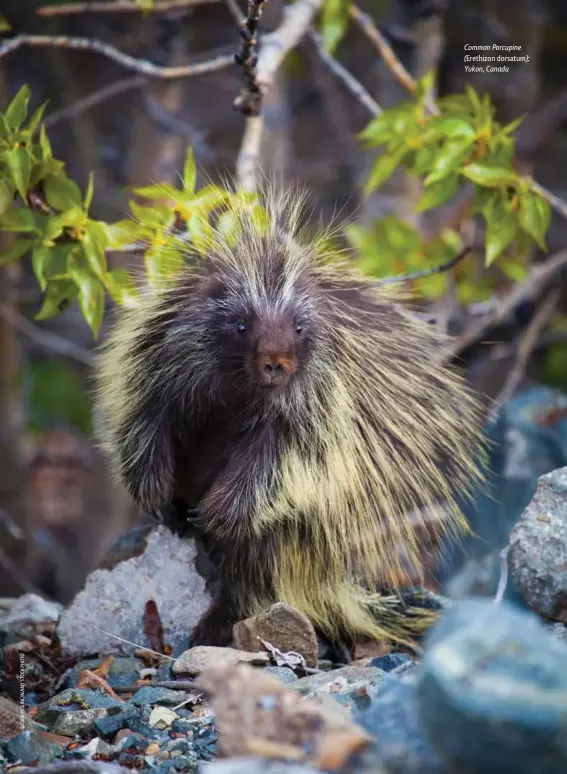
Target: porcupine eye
point(241, 327)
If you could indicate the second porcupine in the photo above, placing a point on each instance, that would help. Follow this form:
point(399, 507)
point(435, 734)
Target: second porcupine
point(304, 411)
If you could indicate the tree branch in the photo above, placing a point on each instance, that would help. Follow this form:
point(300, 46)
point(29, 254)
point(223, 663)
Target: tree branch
point(119, 6)
point(111, 52)
point(95, 98)
point(274, 47)
point(354, 86)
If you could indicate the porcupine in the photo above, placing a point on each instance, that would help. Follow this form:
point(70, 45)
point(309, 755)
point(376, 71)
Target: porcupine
point(304, 412)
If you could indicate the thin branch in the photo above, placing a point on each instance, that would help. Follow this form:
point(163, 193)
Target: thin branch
point(119, 6)
point(47, 339)
point(428, 272)
point(354, 86)
point(525, 349)
point(539, 276)
point(95, 98)
point(111, 52)
point(387, 53)
point(297, 19)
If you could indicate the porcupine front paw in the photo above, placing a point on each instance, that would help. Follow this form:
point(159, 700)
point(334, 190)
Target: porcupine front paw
point(181, 519)
point(215, 627)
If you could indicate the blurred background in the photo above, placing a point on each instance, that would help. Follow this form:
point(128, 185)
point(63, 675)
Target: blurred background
point(59, 509)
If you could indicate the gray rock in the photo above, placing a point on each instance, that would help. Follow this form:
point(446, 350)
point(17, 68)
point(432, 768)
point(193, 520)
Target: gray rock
point(493, 691)
point(282, 626)
point(82, 767)
point(77, 722)
point(196, 659)
point(336, 680)
point(124, 670)
point(538, 548)
point(255, 766)
point(74, 700)
point(285, 674)
point(20, 612)
point(150, 695)
point(560, 631)
point(11, 719)
point(28, 748)
point(114, 596)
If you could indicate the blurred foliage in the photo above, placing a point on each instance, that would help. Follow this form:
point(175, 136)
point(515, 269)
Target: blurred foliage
point(57, 396)
point(49, 214)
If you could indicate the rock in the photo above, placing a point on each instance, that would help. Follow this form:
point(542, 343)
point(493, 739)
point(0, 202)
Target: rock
point(281, 626)
point(256, 766)
point(285, 674)
point(96, 746)
point(347, 683)
point(560, 631)
point(201, 657)
point(11, 719)
point(124, 670)
point(162, 717)
point(110, 724)
point(28, 610)
point(82, 767)
point(538, 548)
point(493, 691)
point(158, 565)
point(77, 723)
point(30, 748)
point(74, 699)
point(528, 440)
point(150, 695)
point(400, 743)
point(390, 661)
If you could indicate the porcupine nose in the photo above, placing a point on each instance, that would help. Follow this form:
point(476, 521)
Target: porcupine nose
point(274, 369)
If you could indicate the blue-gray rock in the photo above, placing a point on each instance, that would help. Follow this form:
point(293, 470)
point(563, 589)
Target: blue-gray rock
point(285, 674)
point(527, 440)
point(400, 744)
point(115, 595)
point(73, 699)
point(255, 766)
point(124, 670)
point(21, 613)
point(493, 691)
point(538, 548)
point(147, 695)
point(109, 725)
point(29, 748)
point(390, 661)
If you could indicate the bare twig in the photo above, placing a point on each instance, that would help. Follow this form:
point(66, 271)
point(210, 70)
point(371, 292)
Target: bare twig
point(119, 6)
point(47, 339)
point(98, 96)
point(387, 53)
point(249, 101)
point(354, 86)
point(274, 47)
point(428, 272)
point(111, 52)
point(539, 276)
point(525, 349)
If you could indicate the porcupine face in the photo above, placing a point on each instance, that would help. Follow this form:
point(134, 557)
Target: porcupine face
point(264, 341)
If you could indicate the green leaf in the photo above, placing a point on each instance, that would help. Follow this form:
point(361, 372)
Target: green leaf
point(209, 198)
point(53, 227)
point(513, 269)
point(448, 159)
point(61, 192)
point(378, 131)
point(4, 24)
point(45, 145)
point(15, 251)
point(158, 217)
point(162, 263)
point(452, 127)
point(200, 232)
point(501, 229)
point(438, 193)
point(189, 172)
point(89, 193)
point(19, 164)
point(383, 168)
point(492, 177)
point(41, 260)
point(123, 232)
point(95, 242)
point(509, 128)
point(534, 217)
point(19, 219)
point(18, 108)
point(59, 294)
point(426, 84)
point(36, 118)
point(91, 294)
point(7, 191)
point(158, 191)
point(334, 20)
point(122, 287)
